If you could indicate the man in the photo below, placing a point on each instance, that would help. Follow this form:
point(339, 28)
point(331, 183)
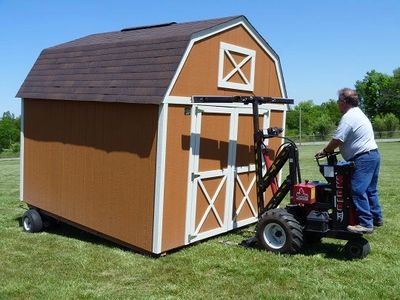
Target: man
point(355, 138)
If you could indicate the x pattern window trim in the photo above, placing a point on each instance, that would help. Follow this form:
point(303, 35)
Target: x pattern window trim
point(237, 67)
point(226, 53)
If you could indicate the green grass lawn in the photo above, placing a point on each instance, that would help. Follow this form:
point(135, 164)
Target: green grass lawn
point(66, 263)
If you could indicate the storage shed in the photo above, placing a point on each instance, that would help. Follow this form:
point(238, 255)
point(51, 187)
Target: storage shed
point(113, 143)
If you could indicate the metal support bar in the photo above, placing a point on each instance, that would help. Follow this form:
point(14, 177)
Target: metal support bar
point(258, 139)
point(241, 99)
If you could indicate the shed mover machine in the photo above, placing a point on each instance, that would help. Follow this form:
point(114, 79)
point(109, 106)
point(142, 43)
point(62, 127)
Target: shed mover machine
point(316, 209)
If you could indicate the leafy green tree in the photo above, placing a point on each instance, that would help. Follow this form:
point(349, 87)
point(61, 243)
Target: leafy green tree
point(323, 125)
point(292, 122)
point(309, 113)
point(315, 119)
point(394, 93)
point(379, 125)
point(305, 110)
point(331, 108)
point(391, 123)
point(388, 122)
point(379, 93)
point(9, 130)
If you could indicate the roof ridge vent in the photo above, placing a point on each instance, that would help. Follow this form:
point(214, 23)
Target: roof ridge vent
point(148, 26)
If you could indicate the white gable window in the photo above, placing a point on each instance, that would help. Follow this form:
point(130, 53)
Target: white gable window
point(236, 67)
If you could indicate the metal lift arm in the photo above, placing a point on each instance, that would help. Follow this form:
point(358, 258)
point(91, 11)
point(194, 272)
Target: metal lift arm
point(289, 153)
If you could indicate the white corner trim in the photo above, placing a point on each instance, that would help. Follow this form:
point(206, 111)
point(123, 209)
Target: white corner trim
point(284, 122)
point(160, 178)
point(220, 28)
point(226, 50)
point(21, 153)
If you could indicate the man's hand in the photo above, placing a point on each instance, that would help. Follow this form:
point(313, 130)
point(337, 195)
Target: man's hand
point(321, 153)
point(328, 149)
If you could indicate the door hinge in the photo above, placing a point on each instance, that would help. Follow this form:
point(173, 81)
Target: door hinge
point(194, 176)
point(199, 110)
point(187, 111)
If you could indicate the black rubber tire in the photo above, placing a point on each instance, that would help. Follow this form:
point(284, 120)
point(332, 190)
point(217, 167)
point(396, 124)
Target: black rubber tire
point(357, 248)
point(32, 221)
point(279, 231)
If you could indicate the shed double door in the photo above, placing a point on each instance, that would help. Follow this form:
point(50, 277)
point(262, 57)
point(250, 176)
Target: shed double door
point(221, 184)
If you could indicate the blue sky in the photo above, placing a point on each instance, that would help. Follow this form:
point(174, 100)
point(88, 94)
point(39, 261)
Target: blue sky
point(323, 45)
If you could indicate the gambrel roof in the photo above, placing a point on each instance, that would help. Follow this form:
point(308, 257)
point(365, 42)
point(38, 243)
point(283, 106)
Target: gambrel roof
point(134, 65)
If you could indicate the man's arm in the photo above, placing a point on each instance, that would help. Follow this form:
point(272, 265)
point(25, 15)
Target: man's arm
point(330, 148)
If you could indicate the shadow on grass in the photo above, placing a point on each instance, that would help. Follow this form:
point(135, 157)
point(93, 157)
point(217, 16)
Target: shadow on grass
point(324, 248)
point(59, 228)
point(70, 231)
point(329, 250)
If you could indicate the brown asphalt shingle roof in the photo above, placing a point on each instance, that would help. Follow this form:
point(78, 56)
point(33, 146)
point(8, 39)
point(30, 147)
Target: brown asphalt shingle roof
point(134, 66)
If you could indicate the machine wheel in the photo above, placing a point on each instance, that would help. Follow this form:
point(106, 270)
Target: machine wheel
point(357, 248)
point(32, 221)
point(279, 231)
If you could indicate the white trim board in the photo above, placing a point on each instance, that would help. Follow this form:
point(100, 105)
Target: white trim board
point(160, 178)
point(22, 153)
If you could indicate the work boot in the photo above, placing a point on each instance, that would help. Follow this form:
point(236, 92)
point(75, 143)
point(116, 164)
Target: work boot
point(360, 229)
point(378, 223)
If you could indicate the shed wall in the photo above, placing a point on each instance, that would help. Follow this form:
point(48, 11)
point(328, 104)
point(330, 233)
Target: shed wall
point(94, 164)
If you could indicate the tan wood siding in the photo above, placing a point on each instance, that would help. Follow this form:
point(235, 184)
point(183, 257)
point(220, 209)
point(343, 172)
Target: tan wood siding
point(214, 142)
point(176, 175)
point(244, 157)
point(93, 164)
point(199, 75)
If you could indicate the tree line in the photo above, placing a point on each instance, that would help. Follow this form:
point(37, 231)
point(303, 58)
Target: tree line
point(379, 99)
point(9, 133)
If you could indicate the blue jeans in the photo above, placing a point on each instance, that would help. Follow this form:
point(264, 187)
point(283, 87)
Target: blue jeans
point(364, 182)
